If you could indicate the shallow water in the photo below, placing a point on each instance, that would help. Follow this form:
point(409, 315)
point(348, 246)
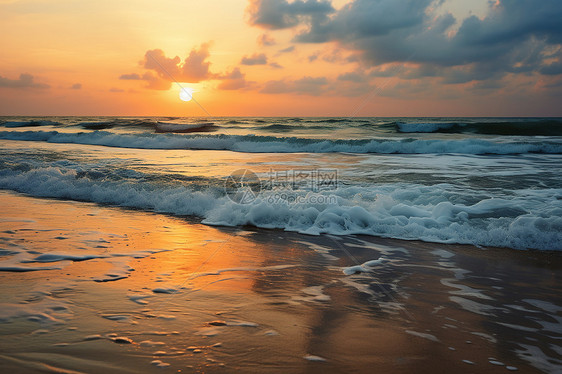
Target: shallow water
point(160, 290)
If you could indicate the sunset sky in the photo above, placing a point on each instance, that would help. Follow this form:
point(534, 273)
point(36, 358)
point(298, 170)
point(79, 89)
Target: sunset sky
point(281, 58)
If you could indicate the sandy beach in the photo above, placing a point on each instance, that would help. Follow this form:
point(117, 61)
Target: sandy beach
point(130, 291)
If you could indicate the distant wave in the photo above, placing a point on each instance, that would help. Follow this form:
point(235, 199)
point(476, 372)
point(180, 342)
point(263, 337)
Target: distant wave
point(30, 123)
point(382, 126)
point(396, 210)
point(90, 123)
point(271, 144)
point(542, 127)
point(280, 127)
point(101, 125)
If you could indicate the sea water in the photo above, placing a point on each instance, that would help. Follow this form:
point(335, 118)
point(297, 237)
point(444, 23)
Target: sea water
point(482, 181)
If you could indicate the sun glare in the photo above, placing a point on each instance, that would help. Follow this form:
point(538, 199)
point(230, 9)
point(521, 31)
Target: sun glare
point(186, 94)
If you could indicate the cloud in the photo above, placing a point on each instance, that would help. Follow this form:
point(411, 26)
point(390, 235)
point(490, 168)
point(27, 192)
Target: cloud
point(313, 57)
point(194, 68)
point(76, 86)
point(265, 40)
point(280, 14)
point(521, 37)
point(233, 80)
point(555, 83)
point(367, 18)
point(163, 71)
point(310, 85)
point(275, 65)
point(132, 76)
point(287, 50)
point(352, 77)
point(113, 89)
point(154, 82)
point(276, 87)
point(255, 59)
point(316, 86)
point(24, 81)
point(303, 86)
point(554, 65)
point(166, 68)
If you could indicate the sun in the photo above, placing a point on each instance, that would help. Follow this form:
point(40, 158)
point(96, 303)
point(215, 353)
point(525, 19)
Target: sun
point(186, 93)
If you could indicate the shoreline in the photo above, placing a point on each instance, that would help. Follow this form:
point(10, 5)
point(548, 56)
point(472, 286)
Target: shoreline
point(276, 301)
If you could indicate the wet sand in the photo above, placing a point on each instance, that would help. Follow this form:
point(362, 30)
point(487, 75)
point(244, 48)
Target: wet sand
point(102, 289)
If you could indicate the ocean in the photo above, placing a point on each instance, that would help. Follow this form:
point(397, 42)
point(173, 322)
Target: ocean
point(490, 182)
point(280, 245)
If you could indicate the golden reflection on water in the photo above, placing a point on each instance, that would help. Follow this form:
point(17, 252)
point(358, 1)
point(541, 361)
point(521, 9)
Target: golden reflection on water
point(254, 281)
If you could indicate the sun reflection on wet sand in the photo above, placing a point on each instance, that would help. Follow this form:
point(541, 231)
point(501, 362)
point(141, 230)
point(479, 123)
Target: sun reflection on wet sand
point(128, 291)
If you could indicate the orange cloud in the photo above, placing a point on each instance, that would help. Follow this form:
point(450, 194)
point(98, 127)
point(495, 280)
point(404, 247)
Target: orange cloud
point(194, 69)
point(233, 80)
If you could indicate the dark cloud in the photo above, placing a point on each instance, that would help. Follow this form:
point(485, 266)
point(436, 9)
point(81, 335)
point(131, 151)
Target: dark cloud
point(24, 81)
point(469, 73)
point(420, 71)
point(552, 69)
point(76, 86)
point(275, 65)
point(116, 90)
point(255, 59)
point(366, 18)
point(352, 77)
point(315, 86)
point(281, 14)
point(516, 36)
point(554, 66)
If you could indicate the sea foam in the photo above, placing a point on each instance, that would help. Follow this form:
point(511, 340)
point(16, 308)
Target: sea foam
point(271, 144)
point(396, 210)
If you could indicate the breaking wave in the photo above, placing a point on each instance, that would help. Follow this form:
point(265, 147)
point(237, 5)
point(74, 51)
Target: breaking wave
point(272, 144)
point(525, 220)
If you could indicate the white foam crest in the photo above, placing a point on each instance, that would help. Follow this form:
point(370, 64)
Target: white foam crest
point(443, 222)
point(403, 211)
point(268, 144)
